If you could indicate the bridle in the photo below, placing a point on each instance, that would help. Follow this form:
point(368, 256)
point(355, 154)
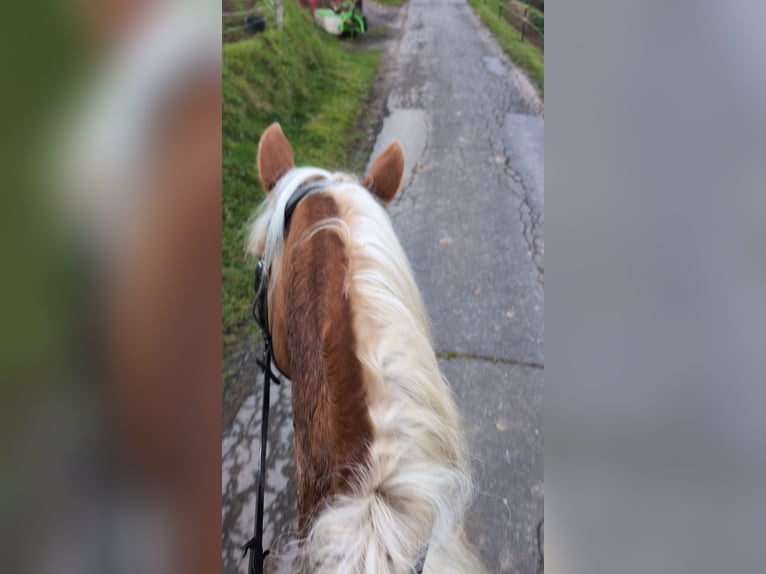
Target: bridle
point(260, 309)
point(261, 315)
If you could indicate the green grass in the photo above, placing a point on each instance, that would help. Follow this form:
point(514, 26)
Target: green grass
point(316, 89)
point(537, 18)
point(524, 54)
point(391, 2)
point(235, 13)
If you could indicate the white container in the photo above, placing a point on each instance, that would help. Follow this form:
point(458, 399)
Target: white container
point(328, 20)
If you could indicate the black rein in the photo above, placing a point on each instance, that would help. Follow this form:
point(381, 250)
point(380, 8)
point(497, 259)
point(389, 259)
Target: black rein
point(261, 315)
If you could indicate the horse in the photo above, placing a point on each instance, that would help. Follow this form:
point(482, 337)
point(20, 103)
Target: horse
point(383, 472)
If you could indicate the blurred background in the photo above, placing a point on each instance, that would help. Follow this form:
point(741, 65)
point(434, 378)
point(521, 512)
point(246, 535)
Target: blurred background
point(655, 458)
point(111, 310)
point(111, 165)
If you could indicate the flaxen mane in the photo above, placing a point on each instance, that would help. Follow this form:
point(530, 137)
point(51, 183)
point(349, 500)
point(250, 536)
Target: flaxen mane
point(383, 472)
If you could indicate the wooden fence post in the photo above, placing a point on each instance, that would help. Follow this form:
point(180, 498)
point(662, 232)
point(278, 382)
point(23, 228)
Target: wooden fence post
point(524, 21)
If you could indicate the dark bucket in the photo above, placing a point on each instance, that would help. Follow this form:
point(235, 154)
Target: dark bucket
point(254, 25)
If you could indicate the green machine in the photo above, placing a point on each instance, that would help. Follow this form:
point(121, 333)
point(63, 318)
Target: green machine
point(343, 19)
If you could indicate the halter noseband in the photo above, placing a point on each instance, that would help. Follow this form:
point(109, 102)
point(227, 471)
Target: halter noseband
point(261, 314)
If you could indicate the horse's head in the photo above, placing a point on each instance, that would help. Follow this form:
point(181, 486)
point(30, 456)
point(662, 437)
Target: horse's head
point(282, 181)
point(275, 159)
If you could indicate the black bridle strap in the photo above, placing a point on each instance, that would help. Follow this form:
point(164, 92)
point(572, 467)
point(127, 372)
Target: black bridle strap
point(301, 193)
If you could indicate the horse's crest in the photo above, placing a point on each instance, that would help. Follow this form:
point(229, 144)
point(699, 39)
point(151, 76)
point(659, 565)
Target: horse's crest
point(382, 468)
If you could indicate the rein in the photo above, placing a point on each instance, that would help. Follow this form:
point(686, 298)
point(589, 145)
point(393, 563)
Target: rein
point(260, 311)
point(261, 316)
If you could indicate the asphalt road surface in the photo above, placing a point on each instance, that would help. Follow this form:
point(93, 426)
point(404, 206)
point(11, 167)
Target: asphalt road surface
point(470, 217)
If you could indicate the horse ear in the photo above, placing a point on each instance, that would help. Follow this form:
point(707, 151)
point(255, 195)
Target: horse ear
point(275, 156)
point(384, 178)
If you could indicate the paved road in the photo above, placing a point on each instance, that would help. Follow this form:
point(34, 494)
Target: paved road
point(470, 216)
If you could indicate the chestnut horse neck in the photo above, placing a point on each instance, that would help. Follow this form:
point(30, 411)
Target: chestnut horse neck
point(313, 341)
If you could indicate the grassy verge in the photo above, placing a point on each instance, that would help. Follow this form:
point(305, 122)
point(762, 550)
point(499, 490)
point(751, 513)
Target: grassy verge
point(235, 13)
point(307, 81)
point(523, 54)
point(537, 18)
point(391, 2)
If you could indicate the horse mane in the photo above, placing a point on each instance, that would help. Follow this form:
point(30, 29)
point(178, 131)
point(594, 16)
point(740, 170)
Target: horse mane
point(415, 485)
point(269, 221)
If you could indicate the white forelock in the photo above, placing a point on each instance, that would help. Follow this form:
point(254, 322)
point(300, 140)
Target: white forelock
point(270, 222)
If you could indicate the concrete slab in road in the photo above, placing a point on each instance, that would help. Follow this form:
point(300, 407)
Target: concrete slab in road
point(502, 408)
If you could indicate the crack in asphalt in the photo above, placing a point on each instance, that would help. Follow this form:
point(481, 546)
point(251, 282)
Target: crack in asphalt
point(449, 355)
point(529, 218)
